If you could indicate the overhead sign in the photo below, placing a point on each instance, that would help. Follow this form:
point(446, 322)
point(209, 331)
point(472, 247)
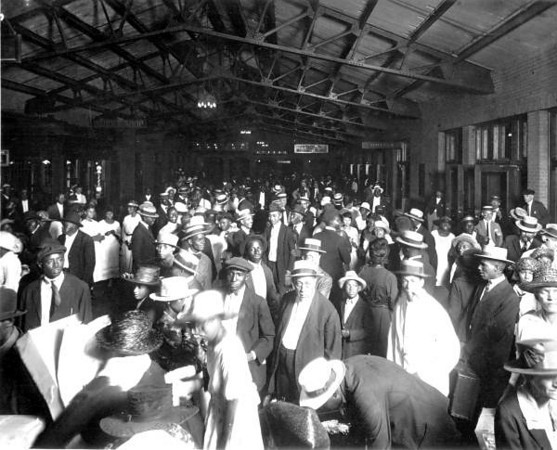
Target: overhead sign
point(311, 148)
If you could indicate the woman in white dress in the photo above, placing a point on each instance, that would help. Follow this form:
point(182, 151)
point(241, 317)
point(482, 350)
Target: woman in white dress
point(443, 244)
point(128, 225)
point(109, 247)
point(232, 420)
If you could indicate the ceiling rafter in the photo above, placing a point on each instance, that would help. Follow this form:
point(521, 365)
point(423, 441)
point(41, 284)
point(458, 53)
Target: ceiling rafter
point(289, 131)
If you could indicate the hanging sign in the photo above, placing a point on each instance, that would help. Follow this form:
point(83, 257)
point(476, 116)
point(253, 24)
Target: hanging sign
point(311, 148)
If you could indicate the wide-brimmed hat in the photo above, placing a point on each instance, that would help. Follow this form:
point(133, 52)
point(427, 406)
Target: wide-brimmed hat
point(312, 245)
point(465, 237)
point(72, 217)
point(544, 277)
point(304, 268)
point(186, 261)
point(8, 304)
point(167, 239)
point(410, 267)
point(494, 253)
point(207, 305)
point(365, 205)
point(381, 224)
point(412, 239)
point(147, 209)
point(536, 357)
point(543, 252)
point(550, 230)
point(298, 209)
point(518, 213)
point(338, 198)
point(50, 247)
point(146, 275)
point(529, 224)
point(242, 214)
point(9, 242)
point(281, 195)
point(319, 380)
point(379, 188)
point(416, 214)
point(130, 334)
point(31, 215)
point(181, 207)
point(352, 275)
point(173, 288)
point(148, 408)
point(133, 203)
point(238, 263)
point(221, 199)
point(487, 208)
point(196, 225)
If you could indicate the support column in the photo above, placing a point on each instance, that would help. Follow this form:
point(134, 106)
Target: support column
point(538, 154)
point(125, 149)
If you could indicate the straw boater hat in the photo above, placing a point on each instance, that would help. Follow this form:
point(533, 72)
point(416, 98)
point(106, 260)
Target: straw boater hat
point(365, 205)
point(196, 226)
point(304, 198)
point(313, 245)
point(167, 239)
point(147, 209)
point(181, 207)
point(338, 198)
point(494, 253)
point(415, 214)
point(148, 408)
point(529, 224)
point(304, 268)
point(8, 304)
point(409, 267)
point(319, 380)
point(537, 357)
point(412, 239)
point(173, 288)
point(221, 199)
point(130, 334)
point(207, 305)
point(133, 204)
point(518, 213)
point(465, 237)
point(468, 219)
point(544, 277)
point(550, 230)
point(352, 275)
point(381, 224)
point(243, 214)
point(146, 275)
point(379, 188)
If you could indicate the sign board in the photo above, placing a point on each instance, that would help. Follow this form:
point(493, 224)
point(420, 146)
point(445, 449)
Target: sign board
point(311, 148)
point(4, 158)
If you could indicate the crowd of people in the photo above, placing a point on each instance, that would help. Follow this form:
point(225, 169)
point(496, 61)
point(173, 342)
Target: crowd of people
point(236, 307)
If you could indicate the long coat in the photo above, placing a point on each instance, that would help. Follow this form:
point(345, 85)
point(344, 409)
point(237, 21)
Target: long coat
point(430, 241)
point(256, 330)
point(511, 431)
point(320, 335)
point(338, 253)
point(272, 297)
point(74, 293)
point(392, 408)
point(539, 211)
point(286, 250)
point(490, 338)
point(81, 256)
point(143, 246)
point(360, 326)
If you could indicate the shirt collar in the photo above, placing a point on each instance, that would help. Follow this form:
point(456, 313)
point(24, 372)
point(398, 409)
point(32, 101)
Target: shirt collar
point(58, 280)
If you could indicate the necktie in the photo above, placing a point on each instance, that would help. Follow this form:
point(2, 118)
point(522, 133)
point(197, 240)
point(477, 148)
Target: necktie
point(55, 300)
point(488, 228)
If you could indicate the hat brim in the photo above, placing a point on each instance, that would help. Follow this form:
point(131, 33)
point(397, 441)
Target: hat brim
point(162, 298)
point(492, 258)
point(422, 246)
point(533, 287)
point(514, 366)
point(144, 214)
point(300, 275)
point(166, 243)
point(409, 273)
point(144, 283)
point(528, 230)
point(358, 279)
point(339, 369)
point(307, 249)
point(412, 216)
point(121, 427)
point(196, 318)
point(12, 315)
point(152, 342)
point(553, 234)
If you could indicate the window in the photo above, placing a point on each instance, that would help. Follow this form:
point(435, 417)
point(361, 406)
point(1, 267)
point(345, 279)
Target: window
point(453, 146)
point(502, 140)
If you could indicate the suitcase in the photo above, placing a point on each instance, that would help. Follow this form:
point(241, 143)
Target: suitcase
point(463, 400)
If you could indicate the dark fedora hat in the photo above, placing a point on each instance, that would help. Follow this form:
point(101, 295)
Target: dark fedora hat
point(275, 207)
point(72, 217)
point(413, 268)
point(50, 247)
point(8, 304)
point(129, 334)
point(148, 408)
point(298, 209)
point(146, 275)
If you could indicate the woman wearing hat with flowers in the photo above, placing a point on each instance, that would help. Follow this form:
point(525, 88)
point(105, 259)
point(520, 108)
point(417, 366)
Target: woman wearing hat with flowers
point(525, 416)
point(524, 270)
point(232, 420)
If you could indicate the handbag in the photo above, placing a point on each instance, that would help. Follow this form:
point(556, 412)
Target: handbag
point(464, 394)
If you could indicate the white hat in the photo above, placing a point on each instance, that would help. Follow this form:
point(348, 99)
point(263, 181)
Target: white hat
point(412, 239)
point(529, 224)
point(415, 214)
point(10, 242)
point(494, 253)
point(319, 380)
point(365, 205)
point(352, 275)
point(173, 288)
point(207, 305)
point(325, 200)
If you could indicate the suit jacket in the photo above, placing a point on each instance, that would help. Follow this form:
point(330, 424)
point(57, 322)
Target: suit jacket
point(305, 232)
point(320, 335)
point(514, 250)
point(272, 297)
point(74, 293)
point(256, 330)
point(360, 326)
point(286, 251)
point(495, 233)
point(143, 246)
point(511, 431)
point(490, 338)
point(81, 256)
point(430, 241)
point(53, 212)
point(338, 253)
point(539, 211)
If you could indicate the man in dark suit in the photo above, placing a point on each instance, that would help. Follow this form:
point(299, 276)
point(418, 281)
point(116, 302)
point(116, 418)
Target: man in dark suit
point(56, 210)
point(281, 248)
point(517, 245)
point(79, 260)
point(143, 247)
point(308, 328)
point(298, 225)
point(491, 318)
point(337, 250)
point(253, 325)
point(355, 317)
point(417, 218)
point(56, 294)
point(535, 208)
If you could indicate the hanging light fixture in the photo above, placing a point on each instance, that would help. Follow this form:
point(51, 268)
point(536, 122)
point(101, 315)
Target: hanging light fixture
point(206, 100)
